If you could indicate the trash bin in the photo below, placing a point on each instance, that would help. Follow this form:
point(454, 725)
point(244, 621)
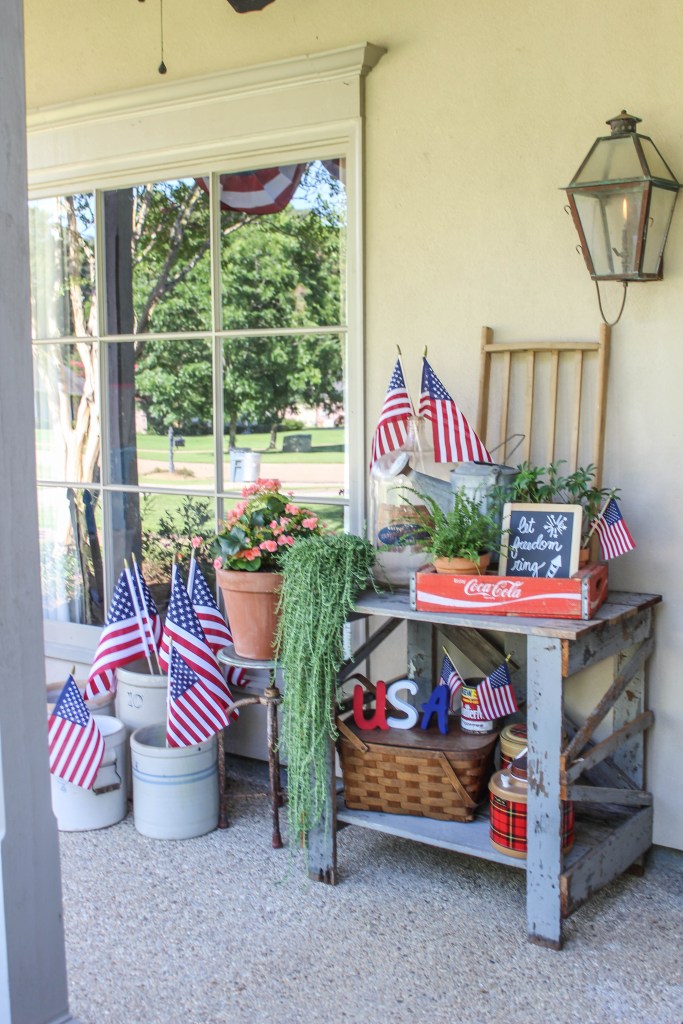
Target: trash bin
point(245, 465)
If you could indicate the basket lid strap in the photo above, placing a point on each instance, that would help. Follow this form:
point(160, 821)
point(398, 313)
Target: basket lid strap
point(454, 780)
point(370, 687)
point(354, 740)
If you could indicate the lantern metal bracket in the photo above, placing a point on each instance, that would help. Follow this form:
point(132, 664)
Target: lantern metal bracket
point(611, 323)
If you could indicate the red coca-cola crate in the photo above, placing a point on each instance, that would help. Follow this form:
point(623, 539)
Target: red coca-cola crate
point(578, 597)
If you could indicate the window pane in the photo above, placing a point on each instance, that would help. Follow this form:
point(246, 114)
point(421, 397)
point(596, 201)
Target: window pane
point(62, 243)
point(160, 413)
point(70, 522)
point(284, 412)
point(158, 528)
point(283, 268)
point(158, 268)
point(66, 387)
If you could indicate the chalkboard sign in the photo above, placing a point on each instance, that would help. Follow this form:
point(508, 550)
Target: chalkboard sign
point(540, 540)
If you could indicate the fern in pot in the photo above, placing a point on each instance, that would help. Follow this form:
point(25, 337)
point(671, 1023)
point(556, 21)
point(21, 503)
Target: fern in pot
point(461, 538)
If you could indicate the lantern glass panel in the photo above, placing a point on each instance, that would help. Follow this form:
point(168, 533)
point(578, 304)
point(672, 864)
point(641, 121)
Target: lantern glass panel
point(661, 210)
point(610, 224)
point(611, 159)
point(655, 160)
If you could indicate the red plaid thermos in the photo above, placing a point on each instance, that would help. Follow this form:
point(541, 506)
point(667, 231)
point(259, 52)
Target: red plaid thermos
point(508, 797)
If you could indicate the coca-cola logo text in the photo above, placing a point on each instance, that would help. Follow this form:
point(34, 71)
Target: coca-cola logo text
point(494, 590)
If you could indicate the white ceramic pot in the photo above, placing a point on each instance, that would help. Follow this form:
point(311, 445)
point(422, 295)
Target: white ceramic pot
point(103, 704)
point(140, 700)
point(175, 789)
point(140, 696)
point(79, 810)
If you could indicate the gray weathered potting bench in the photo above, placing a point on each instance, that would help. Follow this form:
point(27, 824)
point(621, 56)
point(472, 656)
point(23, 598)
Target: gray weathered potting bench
point(604, 779)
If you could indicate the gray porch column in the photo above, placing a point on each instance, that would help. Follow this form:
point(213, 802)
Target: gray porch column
point(32, 963)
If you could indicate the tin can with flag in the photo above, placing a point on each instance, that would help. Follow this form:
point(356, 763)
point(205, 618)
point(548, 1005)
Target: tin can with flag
point(471, 716)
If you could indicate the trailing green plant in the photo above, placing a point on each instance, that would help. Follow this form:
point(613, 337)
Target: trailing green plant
point(463, 531)
point(321, 581)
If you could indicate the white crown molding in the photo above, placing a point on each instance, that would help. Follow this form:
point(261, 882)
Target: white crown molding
point(348, 62)
point(198, 124)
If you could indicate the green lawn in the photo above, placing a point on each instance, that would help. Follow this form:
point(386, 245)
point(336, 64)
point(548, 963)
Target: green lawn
point(327, 447)
point(153, 506)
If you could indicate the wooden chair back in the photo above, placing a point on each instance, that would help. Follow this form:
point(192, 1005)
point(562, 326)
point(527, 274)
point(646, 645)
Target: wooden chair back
point(554, 393)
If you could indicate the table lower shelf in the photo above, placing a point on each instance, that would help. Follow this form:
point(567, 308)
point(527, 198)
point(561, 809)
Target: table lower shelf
point(468, 837)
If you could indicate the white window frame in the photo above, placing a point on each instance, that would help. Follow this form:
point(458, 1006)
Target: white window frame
point(276, 113)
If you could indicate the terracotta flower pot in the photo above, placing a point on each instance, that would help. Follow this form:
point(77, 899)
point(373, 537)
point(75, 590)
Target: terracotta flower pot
point(251, 600)
point(462, 566)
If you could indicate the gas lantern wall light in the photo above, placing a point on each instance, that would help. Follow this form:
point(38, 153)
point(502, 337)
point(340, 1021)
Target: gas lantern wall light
point(621, 200)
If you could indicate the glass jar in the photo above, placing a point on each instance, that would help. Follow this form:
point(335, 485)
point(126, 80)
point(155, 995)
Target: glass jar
point(397, 512)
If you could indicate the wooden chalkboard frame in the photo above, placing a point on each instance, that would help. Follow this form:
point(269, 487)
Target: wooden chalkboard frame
point(572, 541)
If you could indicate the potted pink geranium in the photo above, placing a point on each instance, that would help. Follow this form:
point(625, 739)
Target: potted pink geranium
point(248, 552)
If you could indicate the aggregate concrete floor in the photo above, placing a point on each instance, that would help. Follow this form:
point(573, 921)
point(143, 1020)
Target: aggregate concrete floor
point(224, 929)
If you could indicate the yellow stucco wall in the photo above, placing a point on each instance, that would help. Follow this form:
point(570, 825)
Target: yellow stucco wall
point(475, 117)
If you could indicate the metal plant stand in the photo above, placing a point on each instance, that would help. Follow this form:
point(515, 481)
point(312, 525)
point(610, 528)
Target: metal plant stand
point(271, 698)
point(604, 779)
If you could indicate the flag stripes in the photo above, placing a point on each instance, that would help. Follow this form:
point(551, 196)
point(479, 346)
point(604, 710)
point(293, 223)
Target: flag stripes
point(195, 713)
point(75, 743)
point(216, 629)
point(454, 438)
point(496, 696)
point(613, 533)
point(392, 428)
point(121, 641)
point(451, 678)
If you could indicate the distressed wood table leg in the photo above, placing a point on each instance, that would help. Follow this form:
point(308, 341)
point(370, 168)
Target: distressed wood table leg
point(544, 808)
point(322, 840)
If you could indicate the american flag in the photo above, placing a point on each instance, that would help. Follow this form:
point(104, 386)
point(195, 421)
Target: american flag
point(451, 678)
point(183, 632)
point(75, 742)
point(268, 190)
point(216, 629)
point(121, 642)
point(195, 710)
point(454, 438)
point(392, 429)
point(496, 696)
point(611, 528)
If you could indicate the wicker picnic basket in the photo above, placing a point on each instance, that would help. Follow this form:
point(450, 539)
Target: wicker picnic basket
point(416, 771)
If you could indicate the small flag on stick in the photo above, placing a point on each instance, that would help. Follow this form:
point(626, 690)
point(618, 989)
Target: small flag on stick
point(496, 696)
point(613, 533)
point(121, 642)
point(195, 711)
point(183, 629)
point(216, 629)
point(454, 438)
point(392, 430)
point(451, 678)
point(75, 742)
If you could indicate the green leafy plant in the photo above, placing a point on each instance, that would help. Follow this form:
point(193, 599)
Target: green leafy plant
point(534, 484)
point(260, 528)
point(321, 581)
point(176, 532)
point(461, 532)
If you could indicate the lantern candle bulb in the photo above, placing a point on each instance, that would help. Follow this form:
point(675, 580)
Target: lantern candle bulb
point(625, 255)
